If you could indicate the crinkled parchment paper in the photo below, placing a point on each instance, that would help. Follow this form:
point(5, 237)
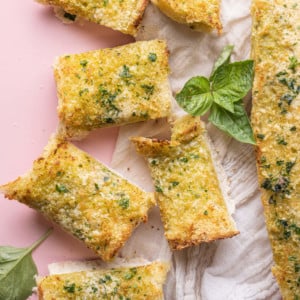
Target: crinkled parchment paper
point(237, 268)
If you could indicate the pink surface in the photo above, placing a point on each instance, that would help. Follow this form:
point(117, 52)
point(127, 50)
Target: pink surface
point(31, 37)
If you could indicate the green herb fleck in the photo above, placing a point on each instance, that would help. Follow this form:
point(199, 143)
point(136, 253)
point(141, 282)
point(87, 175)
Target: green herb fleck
point(158, 189)
point(293, 63)
point(282, 73)
point(267, 184)
point(124, 203)
point(61, 188)
point(149, 90)
point(183, 159)
point(290, 83)
point(125, 73)
point(105, 279)
point(279, 162)
point(107, 100)
point(292, 258)
point(69, 16)
point(97, 186)
point(152, 57)
point(205, 213)
point(288, 98)
point(81, 92)
point(132, 272)
point(260, 136)
point(70, 288)
point(263, 160)
point(83, 63)
point(109, 120)
point(154, 162)
point(280, 185)
point(281, 141)
point(287, 231)
point(144, 115)
point(174, 183)
point(289, 165)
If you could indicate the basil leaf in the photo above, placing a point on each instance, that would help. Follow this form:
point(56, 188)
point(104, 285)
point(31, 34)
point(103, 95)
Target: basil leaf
point(226, 103)
point(195, 97)
point(17, 271)
point(222, 94)
point(223, 59)
point(233, 81)
point(235, 124)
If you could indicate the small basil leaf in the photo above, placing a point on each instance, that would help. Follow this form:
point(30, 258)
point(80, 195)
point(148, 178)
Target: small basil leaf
point(18, 283)
point(195, 97)
point(17, 270)
point(233, 81)
point(223, 59)
point(236, 125)
point(225, 102)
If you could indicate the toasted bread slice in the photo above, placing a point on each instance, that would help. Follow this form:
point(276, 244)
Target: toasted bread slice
point(124, 15)
point(111, 87)
point(188, 192)
point(83, 196)
point(138, 283)
point(276, 125)
point(201, 15)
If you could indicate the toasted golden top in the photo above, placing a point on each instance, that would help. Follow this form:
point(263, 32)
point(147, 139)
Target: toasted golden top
point(122, 15)
point(276, 124)
point(112, 87)
point(137, 283)
point(83, 196)
point(202, 15)
point(187, 187)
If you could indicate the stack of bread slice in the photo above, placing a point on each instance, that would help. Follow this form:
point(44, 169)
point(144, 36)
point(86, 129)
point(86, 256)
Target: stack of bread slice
point(114, 87)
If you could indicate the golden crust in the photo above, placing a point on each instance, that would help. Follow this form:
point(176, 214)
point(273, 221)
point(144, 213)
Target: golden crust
point(124, 16)
point(276, 124)
point(201, 15)
point(192, 206)
point(83, 196)
point(112, 87)
point(139, 283)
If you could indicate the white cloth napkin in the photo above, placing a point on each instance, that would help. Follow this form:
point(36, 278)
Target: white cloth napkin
point(237, 268)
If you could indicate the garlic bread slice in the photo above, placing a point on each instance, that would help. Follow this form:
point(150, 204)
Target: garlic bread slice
point(83, 196)
point(138, 283)
point(187, 188)
point(201, 15)
point(276, 126)
point(124, 15)
point(112, 87)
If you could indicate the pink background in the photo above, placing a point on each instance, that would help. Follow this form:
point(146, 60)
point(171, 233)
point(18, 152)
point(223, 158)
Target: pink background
point(31, 37)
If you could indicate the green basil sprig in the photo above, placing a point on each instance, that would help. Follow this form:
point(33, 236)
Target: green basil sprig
point(222, 95)
point(17, 271)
